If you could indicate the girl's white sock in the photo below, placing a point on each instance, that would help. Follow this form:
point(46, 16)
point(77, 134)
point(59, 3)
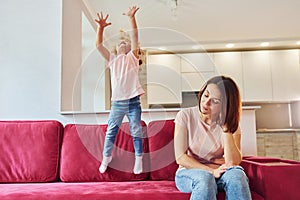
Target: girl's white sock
point(105, 161)
point(138, 165)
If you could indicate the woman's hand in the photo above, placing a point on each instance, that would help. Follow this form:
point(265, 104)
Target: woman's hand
point(132, 11)
point(219, 171)
point(102, 21)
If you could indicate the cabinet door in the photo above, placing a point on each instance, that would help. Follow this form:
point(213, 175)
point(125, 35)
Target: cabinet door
point(197, 62)
point(192, 82)
point(164, 79)
point(196, 68)
point(257, 76)
point(285, 75)
point(230, 64)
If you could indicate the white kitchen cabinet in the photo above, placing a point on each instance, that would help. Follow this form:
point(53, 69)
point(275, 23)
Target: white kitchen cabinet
point(197, 62)
point(230, 64)
point(193, 81)
point(196, 68)
point(285, 75)
point(265, 75)
point(257, 76)
point(163, 79)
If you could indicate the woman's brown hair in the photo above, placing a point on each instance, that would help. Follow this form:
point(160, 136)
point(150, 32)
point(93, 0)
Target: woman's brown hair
point(230, 102)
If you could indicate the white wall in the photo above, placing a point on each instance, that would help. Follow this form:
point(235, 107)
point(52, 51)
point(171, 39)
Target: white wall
point(30, 59)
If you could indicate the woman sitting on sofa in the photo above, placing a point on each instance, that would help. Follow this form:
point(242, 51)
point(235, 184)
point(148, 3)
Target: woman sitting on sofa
point(207, 144)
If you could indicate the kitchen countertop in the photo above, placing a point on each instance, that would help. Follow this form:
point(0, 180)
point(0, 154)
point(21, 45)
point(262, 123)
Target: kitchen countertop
point(277, 130)
point(144, 110)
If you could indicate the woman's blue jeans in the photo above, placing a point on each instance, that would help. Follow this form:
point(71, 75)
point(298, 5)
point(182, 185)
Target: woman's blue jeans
point(203, 185)
point(132, 109)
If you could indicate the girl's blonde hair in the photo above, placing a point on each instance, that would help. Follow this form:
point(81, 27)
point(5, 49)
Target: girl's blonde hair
point(124, 35)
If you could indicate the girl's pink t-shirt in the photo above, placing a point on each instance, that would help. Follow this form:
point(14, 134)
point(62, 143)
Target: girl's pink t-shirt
point(124, 77)
point(205, 142)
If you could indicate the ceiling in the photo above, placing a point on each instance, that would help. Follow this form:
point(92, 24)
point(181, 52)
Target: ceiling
point(208, 23)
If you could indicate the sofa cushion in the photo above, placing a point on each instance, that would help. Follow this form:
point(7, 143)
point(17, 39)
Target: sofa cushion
point(161, 146)
point(133, 190)
point(82, 153)
point(29, 150)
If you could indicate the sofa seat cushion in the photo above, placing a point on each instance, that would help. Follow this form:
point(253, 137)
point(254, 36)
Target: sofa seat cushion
point(94, 191)
point(133, 190)
point(30, 151)
point(81, 154)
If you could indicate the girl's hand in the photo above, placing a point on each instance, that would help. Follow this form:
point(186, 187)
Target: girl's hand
point(102, 20)
point(132, 11)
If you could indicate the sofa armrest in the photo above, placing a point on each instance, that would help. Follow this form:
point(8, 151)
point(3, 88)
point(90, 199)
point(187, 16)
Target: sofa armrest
point(273, 178)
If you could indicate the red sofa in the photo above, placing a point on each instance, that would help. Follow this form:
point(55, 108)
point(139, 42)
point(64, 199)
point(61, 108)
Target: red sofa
point(45, 160)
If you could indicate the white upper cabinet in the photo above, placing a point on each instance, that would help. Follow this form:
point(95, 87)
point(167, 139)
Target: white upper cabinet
point(194, 81)
point(257, 76)
point(163, 79)
point(191, 81)
point(196, 68)
point(197, 62)
point(230, 64)
point(285, 75)
point(272, 75)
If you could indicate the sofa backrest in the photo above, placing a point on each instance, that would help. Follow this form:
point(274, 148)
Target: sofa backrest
point(44, 151)
point(30, 151)
point(161, 147)
point(81, 154)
